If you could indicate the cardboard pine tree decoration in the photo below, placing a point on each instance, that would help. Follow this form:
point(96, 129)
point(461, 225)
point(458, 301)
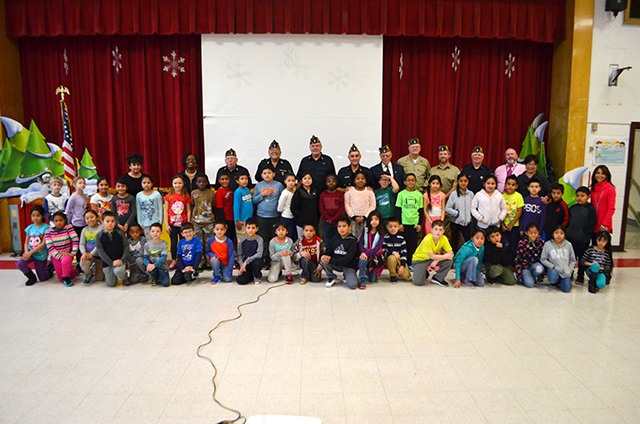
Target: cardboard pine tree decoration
point(6, 151)
point(87, 169)
point(18, 136)
point(57, 167)
point(37, 158)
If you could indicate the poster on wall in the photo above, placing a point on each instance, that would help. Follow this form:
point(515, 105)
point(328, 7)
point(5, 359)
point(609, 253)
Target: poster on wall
point(610, 151)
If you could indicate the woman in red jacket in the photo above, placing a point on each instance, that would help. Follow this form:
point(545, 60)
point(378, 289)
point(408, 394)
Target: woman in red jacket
point(603, 198)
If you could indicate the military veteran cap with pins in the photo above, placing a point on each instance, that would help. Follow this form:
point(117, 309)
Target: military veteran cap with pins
point(274, 145)
point(443, 148)
point(413, 141)
point(477, 149)
point(384, 149)
point(353, 148)
point(230, 152)
point(314, 140)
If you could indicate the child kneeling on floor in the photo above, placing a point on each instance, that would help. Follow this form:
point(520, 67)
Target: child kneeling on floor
point(281, 254)
point(221, 253)
point(598, 262)
point(433, 256)
point(113, 248)
point(371, 259)
point(497, 257)
point(188, 255)
point(155, 256)
point(559, 260)
point(468, 262)
point(342, 255)
point(308, 250)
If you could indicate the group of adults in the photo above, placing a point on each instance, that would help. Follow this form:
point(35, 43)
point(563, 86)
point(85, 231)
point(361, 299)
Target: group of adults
point(320, 165)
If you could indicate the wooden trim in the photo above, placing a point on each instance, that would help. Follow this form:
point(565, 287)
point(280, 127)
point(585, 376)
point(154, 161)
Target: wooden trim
point(628, 20)
point(625, 205)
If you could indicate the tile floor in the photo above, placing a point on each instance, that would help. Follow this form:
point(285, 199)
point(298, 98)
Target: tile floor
point(390, 354)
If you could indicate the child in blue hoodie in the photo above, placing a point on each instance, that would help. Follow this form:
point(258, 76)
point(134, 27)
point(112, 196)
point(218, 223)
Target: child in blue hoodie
point(468, 262)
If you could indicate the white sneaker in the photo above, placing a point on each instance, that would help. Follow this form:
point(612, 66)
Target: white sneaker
point(330, 282)
point(256, 281)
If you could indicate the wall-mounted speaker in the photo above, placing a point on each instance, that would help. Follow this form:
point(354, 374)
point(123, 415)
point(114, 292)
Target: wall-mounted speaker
point(615, 6)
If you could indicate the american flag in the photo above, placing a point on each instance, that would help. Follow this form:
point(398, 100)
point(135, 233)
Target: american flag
point(67, 146)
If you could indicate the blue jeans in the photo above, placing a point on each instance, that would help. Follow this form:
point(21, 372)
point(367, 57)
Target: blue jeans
point(362, 266)
point(469, 270)
point(220, 270)
point(328, 231)
point(554, 277)
point(350, 277)
point(529, 275)
point(160, 275)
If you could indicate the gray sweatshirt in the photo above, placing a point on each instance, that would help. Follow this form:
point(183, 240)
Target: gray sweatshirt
point(561, 257)
point(459, 207)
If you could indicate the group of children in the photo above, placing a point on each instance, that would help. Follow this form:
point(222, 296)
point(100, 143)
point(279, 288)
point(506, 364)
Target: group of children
point(274, 226)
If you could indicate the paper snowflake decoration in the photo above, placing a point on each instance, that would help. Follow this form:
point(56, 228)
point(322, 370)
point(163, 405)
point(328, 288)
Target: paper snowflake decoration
point(117, 59)
point(339, 78)
point(236, 72)
point(456, 59)
point(173, 64)
point(510, 65)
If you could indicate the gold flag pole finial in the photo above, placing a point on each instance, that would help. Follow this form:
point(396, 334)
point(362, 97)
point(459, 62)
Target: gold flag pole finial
point(62, 90)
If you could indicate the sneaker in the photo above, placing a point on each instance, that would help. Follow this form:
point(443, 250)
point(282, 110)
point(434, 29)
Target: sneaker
point(580, 280)
point(289, 279)
point(411, 268)
point(330, 282)
point(173, 266)
point(126, 282)
point(87, 279)
point(303, 281)
point(393, 279)
point(67, 282)
point(468, 284)
point(154, 282)
point(362, 286)
point(256, 281)
point(215, 280)
point(440, 283)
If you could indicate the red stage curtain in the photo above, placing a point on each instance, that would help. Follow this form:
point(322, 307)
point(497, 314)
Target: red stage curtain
point(536, 20)
point(116, 110)
point(479, 104)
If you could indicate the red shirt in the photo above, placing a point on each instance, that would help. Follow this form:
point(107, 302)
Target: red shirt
point(224, 200)
point(177, 208)
point(221, 250)
point(331, 206)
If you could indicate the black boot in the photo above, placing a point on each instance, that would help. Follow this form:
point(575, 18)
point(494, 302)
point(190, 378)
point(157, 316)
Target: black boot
point(31, 278)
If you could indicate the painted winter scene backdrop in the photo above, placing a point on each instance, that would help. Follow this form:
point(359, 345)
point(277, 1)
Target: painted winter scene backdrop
point(28, 163)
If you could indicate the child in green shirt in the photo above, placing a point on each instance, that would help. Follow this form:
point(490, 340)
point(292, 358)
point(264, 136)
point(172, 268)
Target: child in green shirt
point(410, 213)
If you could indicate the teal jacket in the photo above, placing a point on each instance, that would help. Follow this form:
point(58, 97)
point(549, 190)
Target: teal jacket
point(466, 251)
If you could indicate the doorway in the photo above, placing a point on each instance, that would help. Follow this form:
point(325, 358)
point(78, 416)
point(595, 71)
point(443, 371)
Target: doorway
point(630, 236)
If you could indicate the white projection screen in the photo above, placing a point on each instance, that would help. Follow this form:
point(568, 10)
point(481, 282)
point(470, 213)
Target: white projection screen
point(257, 88)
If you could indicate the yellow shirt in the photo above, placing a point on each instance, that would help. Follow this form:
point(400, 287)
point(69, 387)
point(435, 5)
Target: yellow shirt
point(428, 246)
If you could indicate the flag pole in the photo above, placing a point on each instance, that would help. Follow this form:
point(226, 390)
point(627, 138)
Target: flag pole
point(67, 143)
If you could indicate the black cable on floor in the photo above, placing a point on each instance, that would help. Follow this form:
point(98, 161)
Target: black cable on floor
point(239, 416)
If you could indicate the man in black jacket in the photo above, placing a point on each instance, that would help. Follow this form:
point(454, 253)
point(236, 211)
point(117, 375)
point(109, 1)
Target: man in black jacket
point(341, 255)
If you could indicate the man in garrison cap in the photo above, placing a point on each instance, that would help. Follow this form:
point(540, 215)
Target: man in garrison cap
point(347, 174)
point(317, 164)
point(476, 170)
point(415, 164)
point(282, 166)
point(232, 167)
point(385, 165)
point(447, 172)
